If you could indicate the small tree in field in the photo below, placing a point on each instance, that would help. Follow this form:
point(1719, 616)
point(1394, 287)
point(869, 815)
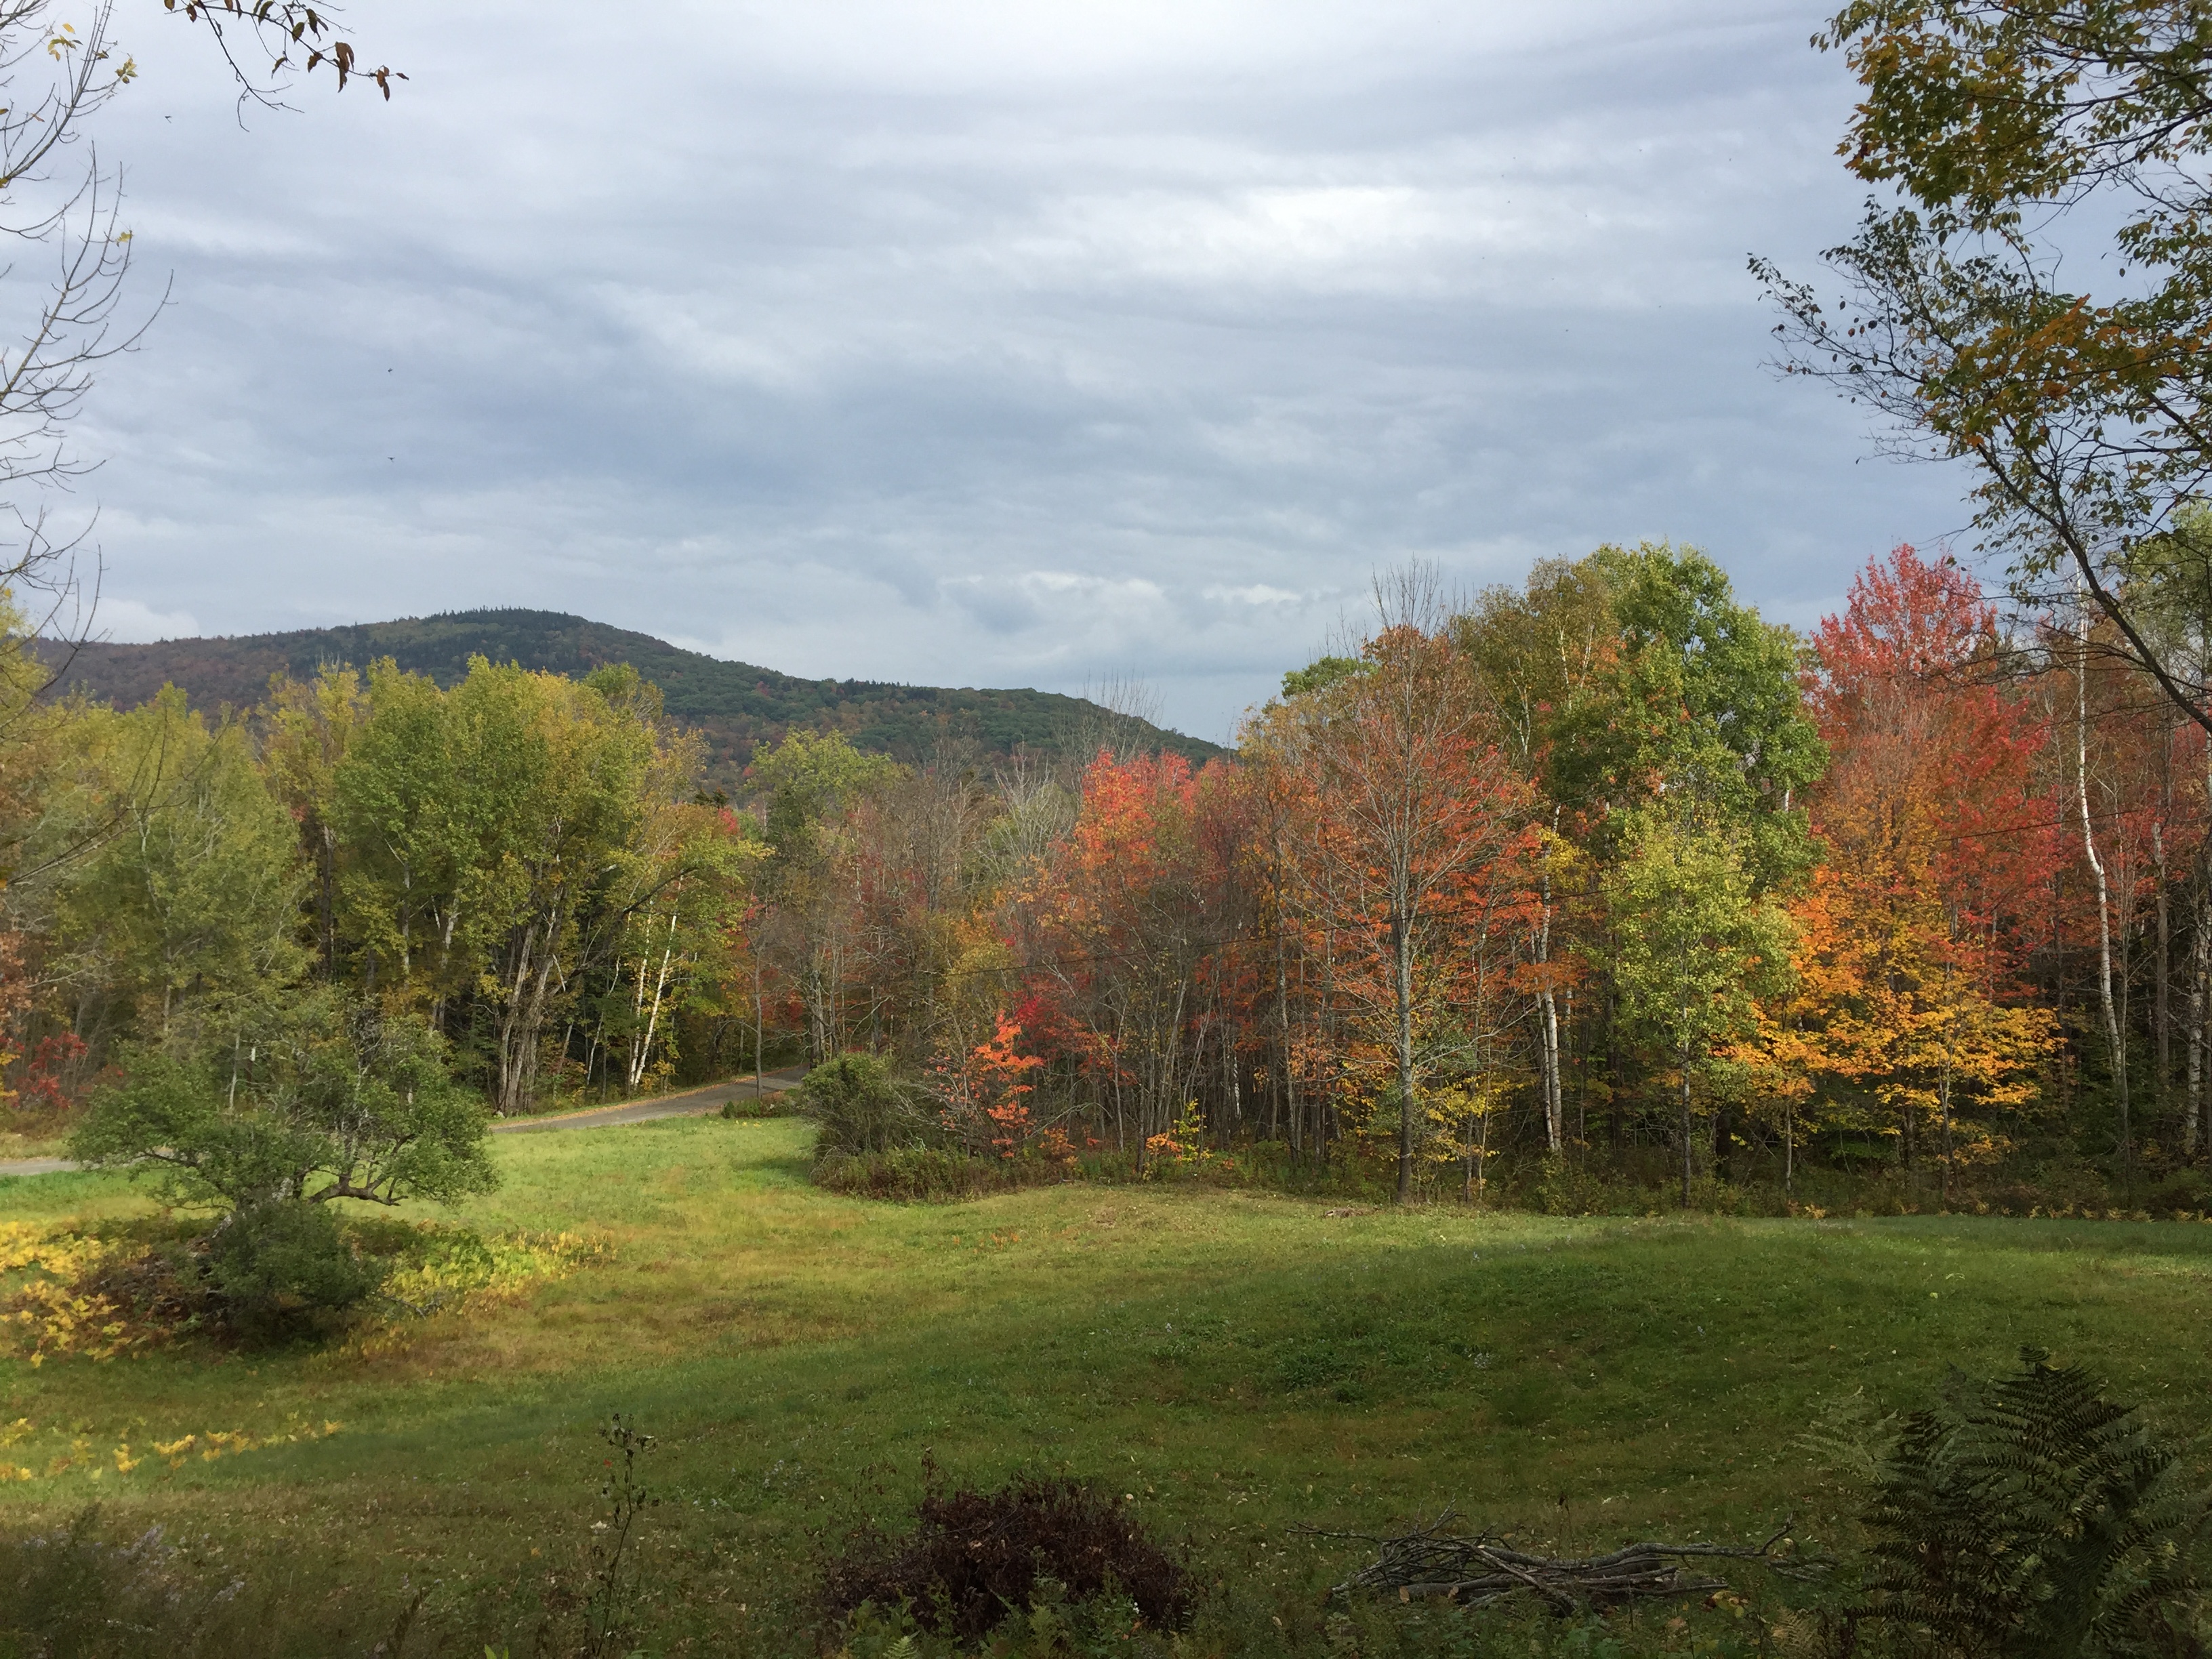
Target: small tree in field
point(325, 1097)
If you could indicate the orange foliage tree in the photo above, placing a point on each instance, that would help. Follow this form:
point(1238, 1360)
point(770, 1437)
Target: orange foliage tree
point(1410, 854)
point(1910, 1014)
point(1124, 921)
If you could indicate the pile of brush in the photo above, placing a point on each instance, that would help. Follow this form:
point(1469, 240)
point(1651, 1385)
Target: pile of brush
point(1476, 1571)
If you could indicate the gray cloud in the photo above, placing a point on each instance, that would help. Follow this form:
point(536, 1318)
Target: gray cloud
point(1023, 345)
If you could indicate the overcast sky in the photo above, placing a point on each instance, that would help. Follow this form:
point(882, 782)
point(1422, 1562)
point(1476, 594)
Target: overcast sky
point(987, 345)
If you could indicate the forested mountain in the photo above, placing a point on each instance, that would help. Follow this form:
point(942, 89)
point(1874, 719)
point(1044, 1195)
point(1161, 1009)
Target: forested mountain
point(734, 705)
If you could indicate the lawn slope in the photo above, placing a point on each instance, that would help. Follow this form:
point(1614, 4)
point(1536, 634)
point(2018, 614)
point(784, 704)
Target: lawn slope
point(1237, 1363)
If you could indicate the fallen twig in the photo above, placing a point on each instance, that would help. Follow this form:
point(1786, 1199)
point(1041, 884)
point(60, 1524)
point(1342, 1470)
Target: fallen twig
point(1477, 1570)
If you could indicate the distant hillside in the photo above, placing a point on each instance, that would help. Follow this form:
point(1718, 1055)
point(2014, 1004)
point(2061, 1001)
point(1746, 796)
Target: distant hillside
point(734, 704)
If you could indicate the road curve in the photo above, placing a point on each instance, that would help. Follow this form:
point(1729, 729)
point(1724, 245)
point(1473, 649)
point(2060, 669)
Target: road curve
point(692, 1103)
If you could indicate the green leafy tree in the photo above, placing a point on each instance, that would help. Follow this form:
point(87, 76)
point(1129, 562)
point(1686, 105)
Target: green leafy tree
point(186, 909)
point(1539, 655)
point(496, 842)
point(328, 1095)
point(307, 728)
point(672, 914)
point(405, 818)
point(1695, 945)
point(1697, 698)
point(574, 766)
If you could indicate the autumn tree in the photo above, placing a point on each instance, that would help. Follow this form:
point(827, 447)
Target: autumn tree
point(810, 784)
point(2169, 588)
point(1410, 797)
point(1538, 655)
point(1940, 837)
point(1125, 913)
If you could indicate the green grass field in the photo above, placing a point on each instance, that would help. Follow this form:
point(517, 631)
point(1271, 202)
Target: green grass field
point(1238, 1362)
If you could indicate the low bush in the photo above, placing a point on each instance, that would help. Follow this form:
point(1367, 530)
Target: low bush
point(103, 1290)
point(287, 1262)
point(860, 1106)
point(976, 1557)
point(69, 1592)
point(1565, 1186)
point(99, 1292)
point(773, 1105)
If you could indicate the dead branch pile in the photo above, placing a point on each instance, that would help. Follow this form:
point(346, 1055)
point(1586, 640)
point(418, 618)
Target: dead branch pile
point(1476, 1571)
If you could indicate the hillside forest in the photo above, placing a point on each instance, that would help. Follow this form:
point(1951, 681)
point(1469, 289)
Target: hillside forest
point(733, 706)
point(1600, 892)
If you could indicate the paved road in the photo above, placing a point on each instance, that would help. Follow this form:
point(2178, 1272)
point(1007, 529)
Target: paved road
point(692, 1103)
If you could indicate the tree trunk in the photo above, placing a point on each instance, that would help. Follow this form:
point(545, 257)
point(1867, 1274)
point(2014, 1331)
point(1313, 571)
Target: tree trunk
point(1790, 1148)
point(522, 1014)
point(1687, 1130)
point(1401, 956)
point(1290, 1083)
point(2162, 1002)
point(2113, 1036)
point(1943, 1081)
point(1548, 1031)
point(2200, 965)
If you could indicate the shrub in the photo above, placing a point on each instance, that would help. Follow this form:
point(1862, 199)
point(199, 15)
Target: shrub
point(1566, 1187)
point(274, 1261)
point(860, 1106)
point(933, 1175)
point(70, 1591)
point(766, 1106)
point(974, 1557)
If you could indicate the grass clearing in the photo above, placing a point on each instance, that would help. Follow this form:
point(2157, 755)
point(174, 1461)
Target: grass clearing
point(1238, 1362)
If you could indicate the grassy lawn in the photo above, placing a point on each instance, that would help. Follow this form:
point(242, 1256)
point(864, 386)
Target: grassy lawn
point(1238, 1362)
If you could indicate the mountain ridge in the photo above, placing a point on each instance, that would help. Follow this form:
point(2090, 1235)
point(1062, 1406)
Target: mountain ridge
point(734, 705)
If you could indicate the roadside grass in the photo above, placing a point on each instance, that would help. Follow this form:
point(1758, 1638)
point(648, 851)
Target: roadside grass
point(1238, 1362)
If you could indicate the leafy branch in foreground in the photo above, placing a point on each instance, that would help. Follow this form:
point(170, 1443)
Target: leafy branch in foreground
point(2087, 417)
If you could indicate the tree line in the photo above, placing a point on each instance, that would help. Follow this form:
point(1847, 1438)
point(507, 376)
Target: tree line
point(1603, 875)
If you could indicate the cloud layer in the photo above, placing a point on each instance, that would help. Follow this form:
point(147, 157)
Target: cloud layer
point(983, 345)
